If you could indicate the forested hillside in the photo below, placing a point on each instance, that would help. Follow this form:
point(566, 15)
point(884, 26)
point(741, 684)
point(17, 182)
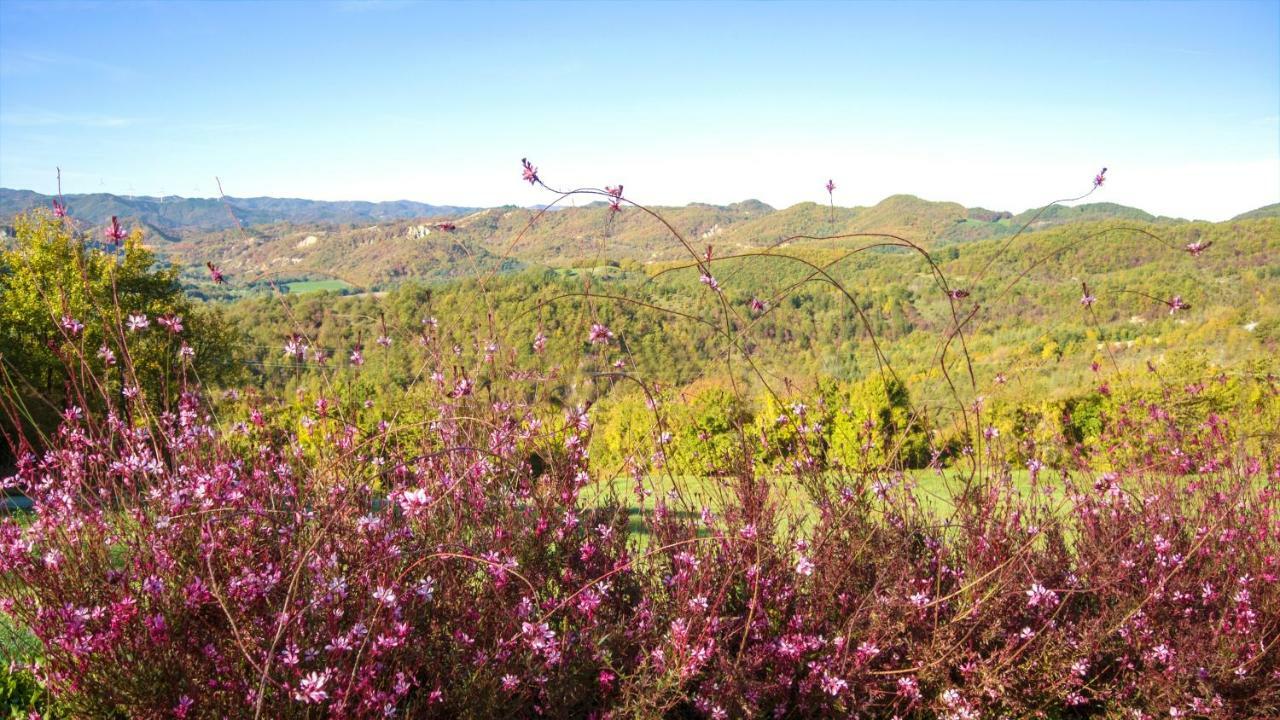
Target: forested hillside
point(1031, 344)
point(372, 246)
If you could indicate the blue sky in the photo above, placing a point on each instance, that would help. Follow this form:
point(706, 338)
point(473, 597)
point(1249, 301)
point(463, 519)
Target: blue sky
point(1002, 105)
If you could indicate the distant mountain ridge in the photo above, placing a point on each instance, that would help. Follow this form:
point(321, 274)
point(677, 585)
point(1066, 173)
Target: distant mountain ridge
point(374, 245)
point(173, 215)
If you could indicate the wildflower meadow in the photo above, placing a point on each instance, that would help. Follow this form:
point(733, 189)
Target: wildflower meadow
point(457, 546)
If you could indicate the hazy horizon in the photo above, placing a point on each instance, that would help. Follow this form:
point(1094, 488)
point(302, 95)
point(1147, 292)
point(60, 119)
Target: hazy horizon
point(575, 201)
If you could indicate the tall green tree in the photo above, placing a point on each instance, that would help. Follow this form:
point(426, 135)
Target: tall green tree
point(65, 303)
point(875, 424)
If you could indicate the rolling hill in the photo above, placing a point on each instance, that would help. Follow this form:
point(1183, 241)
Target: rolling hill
point(375, 245)
point(1272, 210)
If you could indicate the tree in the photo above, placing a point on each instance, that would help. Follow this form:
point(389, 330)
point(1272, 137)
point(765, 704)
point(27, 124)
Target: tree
point(65, 302)
point(874, 424)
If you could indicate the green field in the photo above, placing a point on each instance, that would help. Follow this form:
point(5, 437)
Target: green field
point(934, 491)
point(310, 286)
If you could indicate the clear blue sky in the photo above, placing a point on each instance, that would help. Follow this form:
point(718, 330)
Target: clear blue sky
point(1002, 105)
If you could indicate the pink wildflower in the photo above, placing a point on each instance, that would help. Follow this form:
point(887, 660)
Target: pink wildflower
point(1100, 178)
point(758, 306)
point(833, 685)
point(152, 586)
point(296, 347)
point(215, 273)
point(599, 334)
point(540, 635)
point(462, 388)
point(138, 322)
point(1176, 303)
point(114, 232)
point(1042, 597)
point(866, 651)
point(172, 323)
point(530, 172)
point(425, 588)
point(59, 210)
point(107, 355)
point(310, 690)
point(71, 325)
point(413, 502)
point(804, 566)
point(1162, 654)
point(1197, 247)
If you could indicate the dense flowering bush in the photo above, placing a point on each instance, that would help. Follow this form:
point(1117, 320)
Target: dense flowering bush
point(205, 570)
point(182, 565)
point(317, 556)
